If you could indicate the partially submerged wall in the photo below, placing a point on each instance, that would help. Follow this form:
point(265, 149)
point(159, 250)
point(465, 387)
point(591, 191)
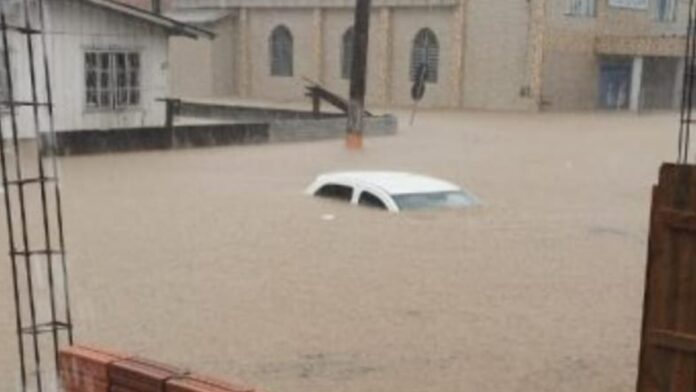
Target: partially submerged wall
point(87, 369)
point(257, 127)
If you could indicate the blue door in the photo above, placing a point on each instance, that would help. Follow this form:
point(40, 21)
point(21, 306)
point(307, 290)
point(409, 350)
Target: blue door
point(615, 86)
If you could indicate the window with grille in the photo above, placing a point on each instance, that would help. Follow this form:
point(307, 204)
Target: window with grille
point(425, 54)
point(347, 54)
point(581, 7)
point(666, 10)
point(281, 52)
point(112, 79)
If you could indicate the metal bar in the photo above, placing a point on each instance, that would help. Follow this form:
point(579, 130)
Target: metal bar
point(687, 89)
point(42, 184)
point(13, 258)
point(36, 252)
point(45, 328)
point(20, 29)
point(687, 71)
point(691, 56)
point(54, 164)
point(22, 103)
point(22, 207)
point(28, 181)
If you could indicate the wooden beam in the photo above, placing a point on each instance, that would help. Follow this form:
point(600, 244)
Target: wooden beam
point(673, 341)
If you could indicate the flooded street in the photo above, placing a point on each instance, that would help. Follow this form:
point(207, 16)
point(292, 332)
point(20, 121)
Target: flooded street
point(215, 260)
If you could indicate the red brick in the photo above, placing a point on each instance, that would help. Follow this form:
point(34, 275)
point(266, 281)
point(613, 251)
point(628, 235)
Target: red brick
point(141, 375)
point(84, 360)
point(118, 388)
point(83, 383)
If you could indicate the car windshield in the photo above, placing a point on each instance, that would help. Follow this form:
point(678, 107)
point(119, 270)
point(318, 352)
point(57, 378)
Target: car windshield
point(416, 201)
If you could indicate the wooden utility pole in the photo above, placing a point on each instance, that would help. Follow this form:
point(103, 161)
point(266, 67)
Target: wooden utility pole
point(358, 77)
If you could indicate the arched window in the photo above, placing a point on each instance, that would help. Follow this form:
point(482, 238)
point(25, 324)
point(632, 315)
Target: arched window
point(347, 54)
point(281, 51)
point(425, 53)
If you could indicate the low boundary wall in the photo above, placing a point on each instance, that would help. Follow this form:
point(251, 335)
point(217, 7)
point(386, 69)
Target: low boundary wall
point(250, 127)
point(88, 369)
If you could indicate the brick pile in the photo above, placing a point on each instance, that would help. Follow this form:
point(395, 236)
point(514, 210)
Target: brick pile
point(88, 369)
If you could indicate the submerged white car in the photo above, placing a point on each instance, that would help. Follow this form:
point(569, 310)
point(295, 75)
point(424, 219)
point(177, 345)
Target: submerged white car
point(391, 191)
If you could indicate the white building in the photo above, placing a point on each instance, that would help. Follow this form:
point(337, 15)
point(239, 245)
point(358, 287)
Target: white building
point(108, 63)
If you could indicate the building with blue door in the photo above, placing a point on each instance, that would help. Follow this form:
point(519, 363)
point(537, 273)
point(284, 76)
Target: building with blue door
point(480, 54)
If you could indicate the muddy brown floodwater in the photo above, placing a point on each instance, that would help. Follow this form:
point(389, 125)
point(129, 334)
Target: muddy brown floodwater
point(214, 259)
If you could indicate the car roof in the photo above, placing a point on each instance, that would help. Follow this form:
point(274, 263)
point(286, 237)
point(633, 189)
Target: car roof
point(394, 183)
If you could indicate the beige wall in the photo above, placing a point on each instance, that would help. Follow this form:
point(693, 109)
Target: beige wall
point(571, 62)
point(191, 67)
point(205, 68)
point(617, 21)
point(223, 61)
point(570, 72)
point(496, 58)
point(336, 22)
point(491, 74)
point(394, 40)
point(407, 22)
point(261, 24)
point(491, 55)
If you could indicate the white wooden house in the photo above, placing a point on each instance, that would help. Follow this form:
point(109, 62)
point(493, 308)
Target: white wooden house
point(108, 63)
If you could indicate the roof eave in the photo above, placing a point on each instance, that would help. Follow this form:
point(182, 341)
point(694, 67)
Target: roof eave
point(172, 26)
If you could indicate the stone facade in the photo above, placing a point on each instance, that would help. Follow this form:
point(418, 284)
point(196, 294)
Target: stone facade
point(493, 54)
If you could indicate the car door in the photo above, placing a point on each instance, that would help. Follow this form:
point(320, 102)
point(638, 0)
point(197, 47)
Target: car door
point(375, 199)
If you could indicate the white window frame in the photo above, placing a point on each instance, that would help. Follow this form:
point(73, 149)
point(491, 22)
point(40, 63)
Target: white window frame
point(105, 93)
point(582, 8)
point(670, 14)
point(639, 5)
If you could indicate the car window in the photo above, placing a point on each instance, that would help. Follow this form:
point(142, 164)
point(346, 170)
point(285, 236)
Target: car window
point(367, 199)
point(418, 201)
point(335, 192)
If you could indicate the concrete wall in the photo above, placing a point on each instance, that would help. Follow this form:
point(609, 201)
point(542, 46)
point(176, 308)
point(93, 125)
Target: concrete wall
point(223, 62)
point(617, 21)
point(571, 61)
point(205, 68)
point(407, 22)
point(261, 24)
point(336, 22)
point(571, 71)
point(191, 67)
point(494, 54)
point(317, 35)
point(496, 57)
